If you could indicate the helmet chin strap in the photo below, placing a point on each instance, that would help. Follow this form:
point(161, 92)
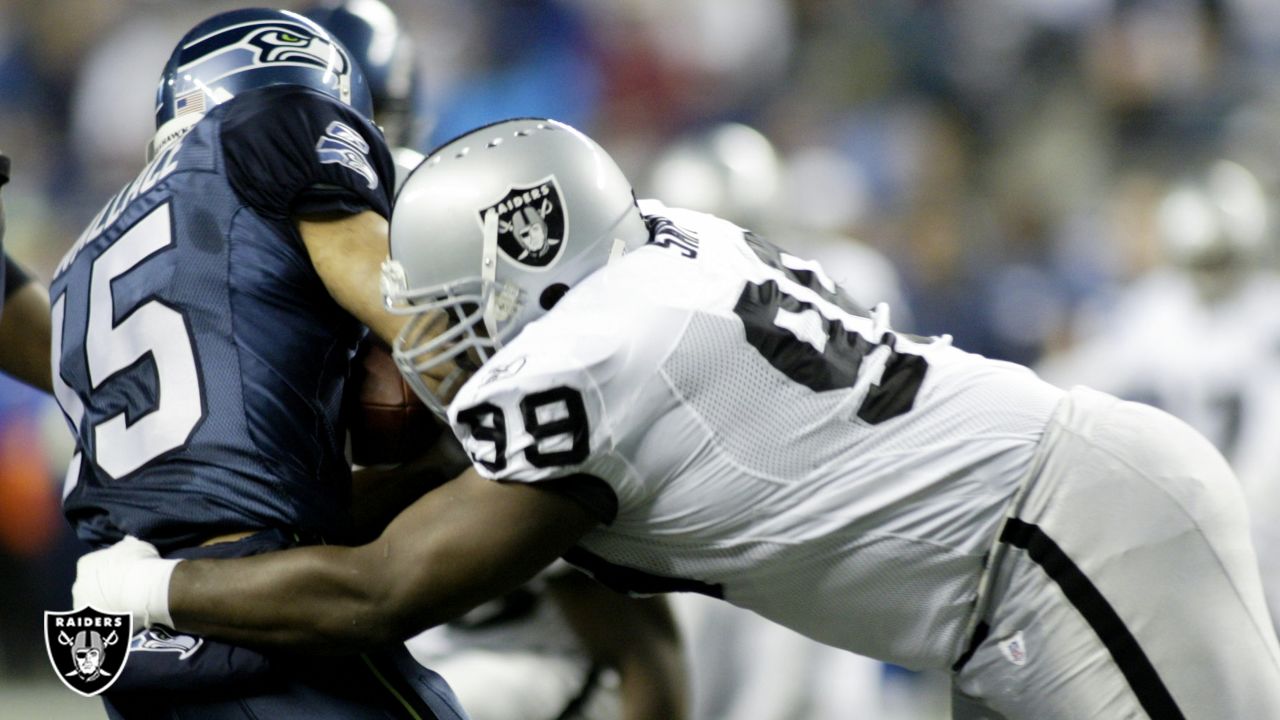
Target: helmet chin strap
point(489, 271)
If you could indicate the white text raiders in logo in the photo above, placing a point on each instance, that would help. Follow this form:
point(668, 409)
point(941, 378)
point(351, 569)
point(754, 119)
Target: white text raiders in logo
point(532, 224)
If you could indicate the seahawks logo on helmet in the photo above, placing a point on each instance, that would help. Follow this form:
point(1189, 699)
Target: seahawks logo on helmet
point(276, 44)
point(532, 224)
point(252, 45)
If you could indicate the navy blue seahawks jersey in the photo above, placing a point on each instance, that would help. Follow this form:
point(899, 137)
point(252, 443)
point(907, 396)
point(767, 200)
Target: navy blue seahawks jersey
point(200, 359)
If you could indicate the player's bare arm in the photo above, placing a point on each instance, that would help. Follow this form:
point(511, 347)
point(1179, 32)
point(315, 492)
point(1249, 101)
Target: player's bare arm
point(347, 253)
point(466, 542)
point(24, 336)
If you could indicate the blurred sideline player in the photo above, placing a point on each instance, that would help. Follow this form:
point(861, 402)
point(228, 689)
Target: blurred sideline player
point(1199, 335)
point(203, 328)
point(742, 666)
point(539, 653)
point(677, 405)
point(24, 314)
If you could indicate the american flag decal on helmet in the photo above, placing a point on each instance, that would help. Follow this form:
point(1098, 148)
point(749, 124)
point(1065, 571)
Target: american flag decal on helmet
point(192, 102)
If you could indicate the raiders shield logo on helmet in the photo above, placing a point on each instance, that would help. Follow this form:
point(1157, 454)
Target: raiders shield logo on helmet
point(531, 223)
point(88, 648)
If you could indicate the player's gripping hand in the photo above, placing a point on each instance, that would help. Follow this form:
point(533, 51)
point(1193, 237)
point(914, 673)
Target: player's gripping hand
point(129, 576)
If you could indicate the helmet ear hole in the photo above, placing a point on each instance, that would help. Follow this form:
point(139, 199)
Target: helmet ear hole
point(552, 294)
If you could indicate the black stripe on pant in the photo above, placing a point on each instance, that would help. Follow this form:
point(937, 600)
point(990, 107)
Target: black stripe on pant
point(1123, 646)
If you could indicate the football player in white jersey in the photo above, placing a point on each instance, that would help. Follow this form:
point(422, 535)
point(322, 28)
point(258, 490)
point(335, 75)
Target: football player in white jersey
point(673, 404)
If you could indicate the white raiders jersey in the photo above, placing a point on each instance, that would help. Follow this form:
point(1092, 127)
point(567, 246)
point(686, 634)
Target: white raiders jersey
point(762, 439)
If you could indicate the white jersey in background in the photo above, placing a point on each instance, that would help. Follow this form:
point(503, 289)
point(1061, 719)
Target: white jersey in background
point(752, 435)
point(815, 469)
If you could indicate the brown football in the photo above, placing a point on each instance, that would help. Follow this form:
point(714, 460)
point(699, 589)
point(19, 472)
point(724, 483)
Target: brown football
point(387, 422)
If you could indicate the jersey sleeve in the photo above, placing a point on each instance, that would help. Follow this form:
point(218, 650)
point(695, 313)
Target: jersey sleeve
point(291, 151)
point(539, 415)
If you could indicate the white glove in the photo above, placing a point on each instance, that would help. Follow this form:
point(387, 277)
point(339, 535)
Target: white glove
point(129, 576)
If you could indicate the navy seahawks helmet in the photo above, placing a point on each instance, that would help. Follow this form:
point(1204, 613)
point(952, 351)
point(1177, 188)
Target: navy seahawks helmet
point(246, 49)
point(372, 34)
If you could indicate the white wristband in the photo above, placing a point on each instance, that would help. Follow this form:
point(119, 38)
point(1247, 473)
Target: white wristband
point(150, 579)
point(129, 576)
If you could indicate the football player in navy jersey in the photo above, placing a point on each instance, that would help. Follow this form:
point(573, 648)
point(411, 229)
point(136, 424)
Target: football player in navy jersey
point(24, 330)
point(203, 325)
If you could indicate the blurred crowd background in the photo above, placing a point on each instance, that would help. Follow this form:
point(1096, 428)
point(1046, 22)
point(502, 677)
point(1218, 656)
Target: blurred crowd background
point(1007, 158)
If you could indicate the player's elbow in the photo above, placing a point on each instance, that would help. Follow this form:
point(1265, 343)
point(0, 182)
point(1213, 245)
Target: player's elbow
point(387, 602)
point(359, 609)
